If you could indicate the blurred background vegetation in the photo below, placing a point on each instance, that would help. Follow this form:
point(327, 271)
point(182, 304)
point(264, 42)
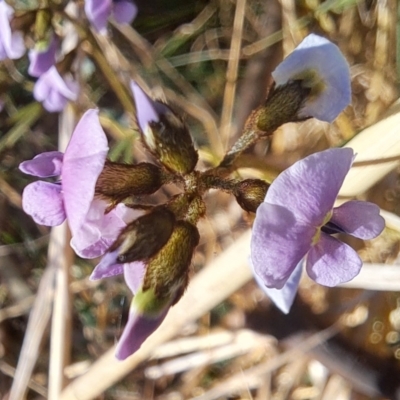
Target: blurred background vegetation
point(212, 61)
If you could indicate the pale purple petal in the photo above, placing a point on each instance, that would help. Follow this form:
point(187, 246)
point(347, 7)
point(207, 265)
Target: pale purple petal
point(98, 12)
point(100, 229)
point(11, 43)
point(147, 110)
point(41, 60)
point(318, 54)
point(331, 262)
point(310, 186)
point(137, 330)
point(283, 298)
point(124, 11)
point(107, 267)
point(134, 274)
point(359, 218)
point(278, 243)
point(43, 165)
point(43, 201)
point(84, 159)
point(55, 91)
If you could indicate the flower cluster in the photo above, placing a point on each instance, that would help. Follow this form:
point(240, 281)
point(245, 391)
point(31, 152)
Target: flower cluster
point(152, 246)
point(48, 60)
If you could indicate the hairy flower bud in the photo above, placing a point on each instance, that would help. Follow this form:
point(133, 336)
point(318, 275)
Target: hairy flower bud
point(250, 193)
point(282, 105)
point(119, 181)
point(167, 271)
point(144, 237)
point(164, 133)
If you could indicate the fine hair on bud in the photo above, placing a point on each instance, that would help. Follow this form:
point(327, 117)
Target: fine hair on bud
point(250, 193)
point(170, 142)
point(281, 106)
point(167, 272)
point(144, 237)
point(119, 181)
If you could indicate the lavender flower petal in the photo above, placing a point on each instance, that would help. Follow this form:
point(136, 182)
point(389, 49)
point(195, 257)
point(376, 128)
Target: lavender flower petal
point(283, 298)
point(55, 91)
point(98, 12)
point(134, 275)
point(331, 262)
point(84, 159)
point(43, 201)
point(323, 58)
point(310, 186)
point(124, 11)
point(100, 229)
point(107, 267)
point(278, 243)
point(359, 218)
point(147, 109)
point(43, 165)
point(137, 330)
point(11, 43)
point(41, 60)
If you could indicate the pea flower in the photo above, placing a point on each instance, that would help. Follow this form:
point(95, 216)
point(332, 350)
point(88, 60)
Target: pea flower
point(101, 228)
point(158, 274)
point(297, 219)
point(11, 43)
point(42, 57)
point(54, 91)
point(99, 11)
point(147, 311)
point(164, 133)
point(72, 196)
point(321, 67)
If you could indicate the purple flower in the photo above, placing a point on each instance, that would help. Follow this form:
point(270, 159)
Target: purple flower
point(42, 59)
point(283, 298)
point(99, 11)
point(320, 65)
point(51, 203)
point(148, 308)
point(148, 111)
point(297, 218)
point(55, 91)
point(11, 43)
point(101, 228)
point(146, 312)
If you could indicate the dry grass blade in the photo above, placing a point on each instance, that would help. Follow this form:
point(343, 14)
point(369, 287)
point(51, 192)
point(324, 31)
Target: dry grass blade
point(252, 377)
point(60, 258)
point(232, 72)
point(244, 342)
point(38, 321)
point(376, 277)
point(371, 144)
point(197, 343)
point(213, 284)
point(10, 371)
point(18, 309)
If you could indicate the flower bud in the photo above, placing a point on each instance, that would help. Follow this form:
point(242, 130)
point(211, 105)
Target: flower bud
point(164, 133)
point(250, 193)
point(144, 237)
point(167, 271)
point(282, 105)
point(119, 181)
